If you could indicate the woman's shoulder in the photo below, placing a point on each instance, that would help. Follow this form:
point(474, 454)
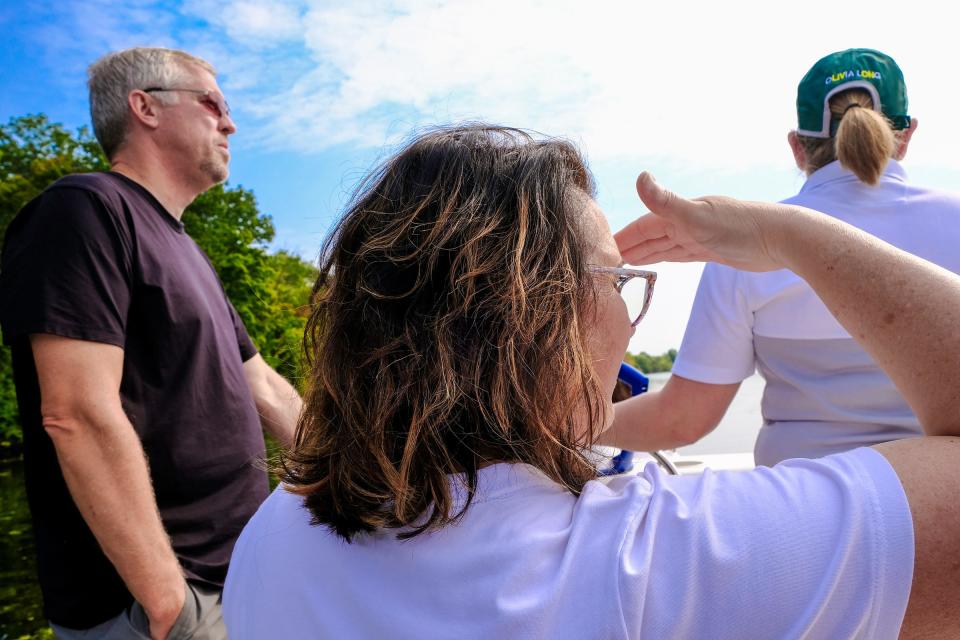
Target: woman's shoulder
point(281, 513)
point(774, 541)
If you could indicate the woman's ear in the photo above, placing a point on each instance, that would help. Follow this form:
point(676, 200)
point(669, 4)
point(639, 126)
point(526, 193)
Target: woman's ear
point(799, 153)
point(904, 137)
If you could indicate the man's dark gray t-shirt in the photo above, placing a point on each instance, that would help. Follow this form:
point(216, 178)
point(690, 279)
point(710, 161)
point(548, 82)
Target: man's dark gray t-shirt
point(97, 258)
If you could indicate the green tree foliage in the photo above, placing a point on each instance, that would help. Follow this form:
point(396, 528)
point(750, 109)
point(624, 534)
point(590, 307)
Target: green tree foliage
point(652, 364)
point(270, 290)
point(33, 153)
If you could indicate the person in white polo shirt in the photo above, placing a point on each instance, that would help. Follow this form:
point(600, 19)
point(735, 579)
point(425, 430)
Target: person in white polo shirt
point(823, 393)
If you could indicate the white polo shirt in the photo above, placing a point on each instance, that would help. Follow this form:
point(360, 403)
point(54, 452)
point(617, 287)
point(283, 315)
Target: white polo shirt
point(815, 549)
point(823, 393)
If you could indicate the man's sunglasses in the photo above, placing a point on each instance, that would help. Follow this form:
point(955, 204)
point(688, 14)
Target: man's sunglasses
point(212, 100)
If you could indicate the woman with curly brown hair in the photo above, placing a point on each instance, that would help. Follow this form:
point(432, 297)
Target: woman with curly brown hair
point(464, 342)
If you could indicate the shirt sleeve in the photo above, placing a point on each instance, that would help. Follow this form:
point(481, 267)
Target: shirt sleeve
point(717, 346)
point(66, 270)
point(806, 549)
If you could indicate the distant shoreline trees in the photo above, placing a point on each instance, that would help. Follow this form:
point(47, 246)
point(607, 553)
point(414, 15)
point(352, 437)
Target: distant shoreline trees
point(652, 364)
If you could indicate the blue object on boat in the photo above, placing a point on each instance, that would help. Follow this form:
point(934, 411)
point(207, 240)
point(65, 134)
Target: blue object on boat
point(638, 383)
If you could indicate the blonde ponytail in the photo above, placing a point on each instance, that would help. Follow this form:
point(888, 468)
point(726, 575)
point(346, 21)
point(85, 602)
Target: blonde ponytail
point(864, 143)
point(864, 139)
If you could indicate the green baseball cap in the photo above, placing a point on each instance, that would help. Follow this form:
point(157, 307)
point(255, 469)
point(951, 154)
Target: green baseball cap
point(867, 69)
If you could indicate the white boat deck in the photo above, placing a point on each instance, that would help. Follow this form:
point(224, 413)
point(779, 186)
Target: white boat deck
point(691, 464)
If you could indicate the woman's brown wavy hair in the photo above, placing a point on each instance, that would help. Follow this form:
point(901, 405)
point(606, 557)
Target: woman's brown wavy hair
point(448, 331)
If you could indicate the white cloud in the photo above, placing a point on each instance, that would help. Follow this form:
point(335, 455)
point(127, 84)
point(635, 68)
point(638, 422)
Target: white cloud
point(256, 24)
point(699, 85)
point(710, 85)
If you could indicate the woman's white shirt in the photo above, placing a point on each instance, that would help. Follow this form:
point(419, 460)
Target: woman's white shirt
point(823, 393)
point(811, 548)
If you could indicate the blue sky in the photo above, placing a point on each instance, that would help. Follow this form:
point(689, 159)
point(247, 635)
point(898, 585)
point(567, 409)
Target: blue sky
point(701, 94)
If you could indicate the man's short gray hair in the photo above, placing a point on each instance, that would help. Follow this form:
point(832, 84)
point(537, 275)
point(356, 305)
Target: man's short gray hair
point(115, 75)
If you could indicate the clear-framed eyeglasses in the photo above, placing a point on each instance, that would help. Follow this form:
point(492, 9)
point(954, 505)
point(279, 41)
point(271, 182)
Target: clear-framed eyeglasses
point(635, 286)
point(213, 101)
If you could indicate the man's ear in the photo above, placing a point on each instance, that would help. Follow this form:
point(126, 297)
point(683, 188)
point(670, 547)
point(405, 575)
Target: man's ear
point(143, 108)
point(799, 153)
point(905, 135)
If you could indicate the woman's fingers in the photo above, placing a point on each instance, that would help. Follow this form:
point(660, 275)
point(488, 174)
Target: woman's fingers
point(644, 228)
point(646, 251)
point(661, 201)
point(674, 254)
point(661, 235)
point(714, 229)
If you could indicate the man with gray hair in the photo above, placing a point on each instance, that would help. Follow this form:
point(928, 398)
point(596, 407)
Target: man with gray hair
point(141, 395)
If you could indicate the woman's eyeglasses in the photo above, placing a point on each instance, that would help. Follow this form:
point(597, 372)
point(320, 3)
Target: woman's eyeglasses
point(627, 285)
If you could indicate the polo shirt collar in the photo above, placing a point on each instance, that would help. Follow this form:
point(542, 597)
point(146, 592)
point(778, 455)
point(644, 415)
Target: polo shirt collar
point(834, 173)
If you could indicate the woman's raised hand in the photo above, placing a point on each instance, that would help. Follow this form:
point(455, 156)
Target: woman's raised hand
point(716, 229)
